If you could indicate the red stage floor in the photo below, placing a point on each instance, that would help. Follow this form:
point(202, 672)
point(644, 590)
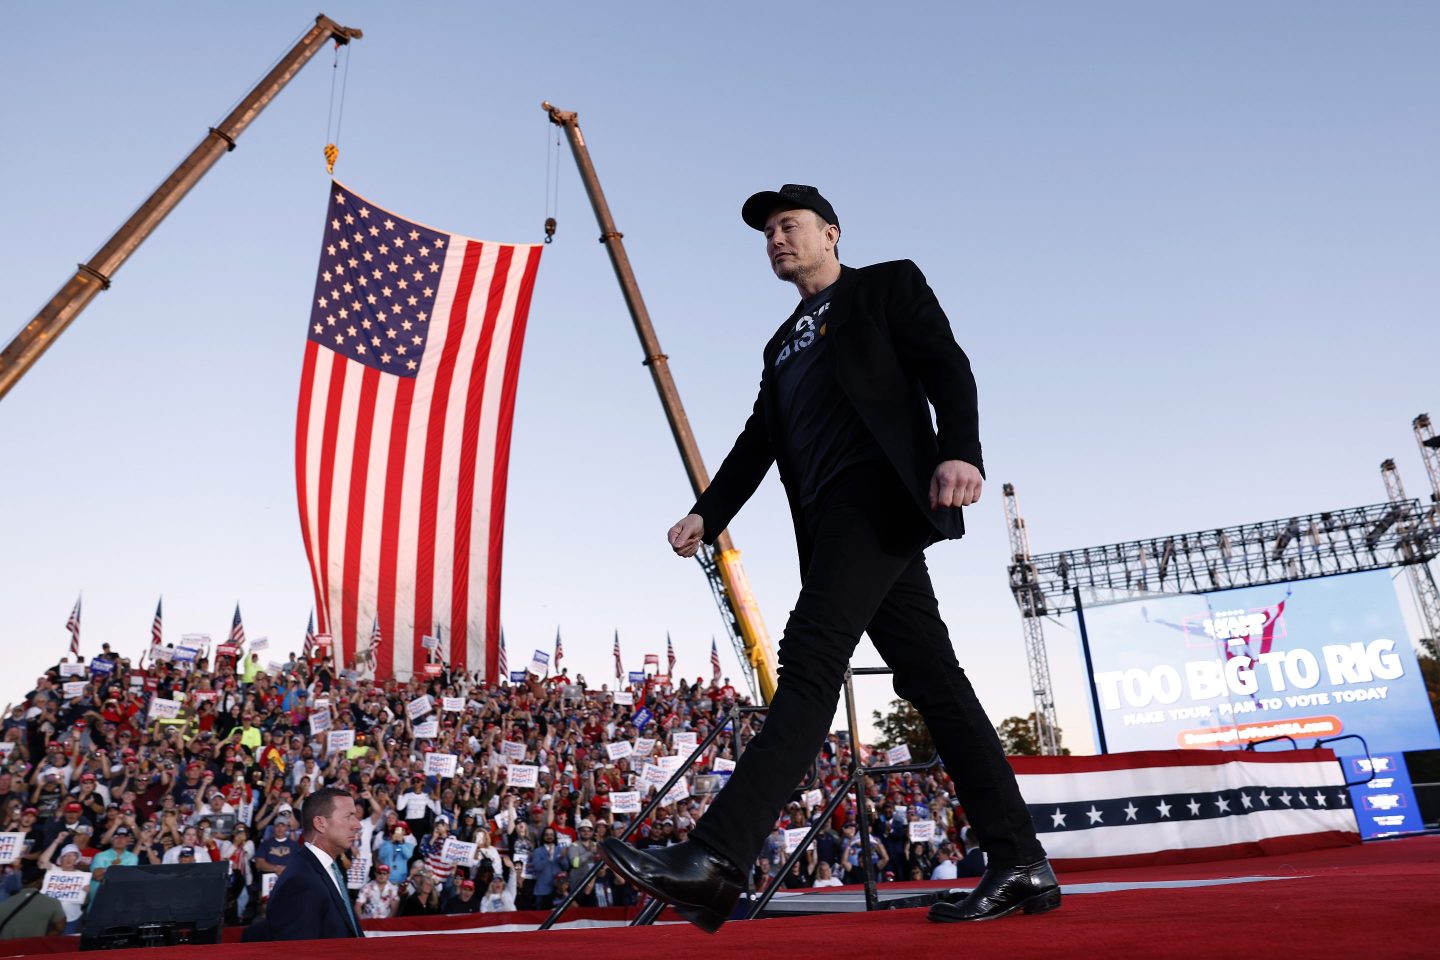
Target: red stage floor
point(1375, 900)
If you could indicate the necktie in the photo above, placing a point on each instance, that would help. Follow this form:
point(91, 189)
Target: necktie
point(349, 910)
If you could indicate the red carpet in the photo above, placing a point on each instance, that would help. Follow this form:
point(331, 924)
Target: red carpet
point(1377, 900)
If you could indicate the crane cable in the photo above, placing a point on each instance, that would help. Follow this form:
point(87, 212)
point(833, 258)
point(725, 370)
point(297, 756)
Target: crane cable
point(336, 117)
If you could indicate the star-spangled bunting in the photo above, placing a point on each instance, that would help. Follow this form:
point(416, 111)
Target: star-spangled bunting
point(407, 398)
point(1162, 808)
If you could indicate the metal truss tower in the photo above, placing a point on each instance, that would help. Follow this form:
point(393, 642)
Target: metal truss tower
point(1031, 600)
point(1416, 546)
point(1430, 455)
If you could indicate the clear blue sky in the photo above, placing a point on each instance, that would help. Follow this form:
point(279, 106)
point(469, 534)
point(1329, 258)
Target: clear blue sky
point(1191, 249)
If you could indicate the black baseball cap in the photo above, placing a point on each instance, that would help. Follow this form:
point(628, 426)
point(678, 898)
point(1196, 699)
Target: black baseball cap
point(792, 196)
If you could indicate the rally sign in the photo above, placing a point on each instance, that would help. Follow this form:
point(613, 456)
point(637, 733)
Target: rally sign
point(642, 717)
point(324, 639)
point(813, 798)
point(67, 886)
point(458, 852)
point(685, 743)
point(338, 740)
point(522, 775)
point(621, 801)
point(512, 750)
point(72, 670)
point(418, 707)
point(430, 643)
point(644, 746)
point(922, 831)
point(517, 676)
point(73, 689)
point(540, 663)
point(428, 730)
point(624, 697)
point(793, 836)
point(164, 709)
point(453, 704)
point(319, 722)
point(897, 755)
point(440, 765)
point(11, 846)
point(102, 667)
point(722, 765)
point(434, 669)
point(637, 676)
point(619, 750)
point(358, 874)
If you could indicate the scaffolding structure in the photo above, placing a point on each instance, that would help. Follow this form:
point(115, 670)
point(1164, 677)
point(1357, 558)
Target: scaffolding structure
point(1031, 601)
point(1375, 537)
point(1417, 535)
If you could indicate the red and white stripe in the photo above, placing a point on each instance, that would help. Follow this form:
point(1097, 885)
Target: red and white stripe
point(401, 481)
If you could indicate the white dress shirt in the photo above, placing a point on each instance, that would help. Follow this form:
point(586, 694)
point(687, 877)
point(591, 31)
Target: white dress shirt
point(327, 862)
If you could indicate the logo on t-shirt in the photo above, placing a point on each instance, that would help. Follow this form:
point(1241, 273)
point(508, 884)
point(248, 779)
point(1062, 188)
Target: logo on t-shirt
point(803, 334)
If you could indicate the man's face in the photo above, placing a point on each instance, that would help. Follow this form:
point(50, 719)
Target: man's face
point(340, 829)
point(798, 243)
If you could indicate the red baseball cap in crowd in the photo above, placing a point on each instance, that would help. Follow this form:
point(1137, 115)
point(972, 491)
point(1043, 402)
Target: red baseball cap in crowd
point(87, 777)
point(30, 810)
point(467, 884)
point(382, 869)
point(73, 807)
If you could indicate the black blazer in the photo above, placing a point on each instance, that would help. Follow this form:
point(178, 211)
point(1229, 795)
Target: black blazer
point(303, 906)
point(895, 357)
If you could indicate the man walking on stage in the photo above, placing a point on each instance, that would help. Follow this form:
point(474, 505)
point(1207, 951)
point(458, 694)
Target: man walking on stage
point(844, 411)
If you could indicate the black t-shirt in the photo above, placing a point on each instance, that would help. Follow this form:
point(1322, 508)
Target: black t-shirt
point(822, 433)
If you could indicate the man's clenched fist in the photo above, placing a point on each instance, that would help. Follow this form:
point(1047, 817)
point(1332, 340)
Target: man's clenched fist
point(685, 536)
point(955, 484)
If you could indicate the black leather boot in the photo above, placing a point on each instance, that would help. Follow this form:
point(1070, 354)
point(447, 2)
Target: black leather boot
point(701, 886)
point(1003, 890)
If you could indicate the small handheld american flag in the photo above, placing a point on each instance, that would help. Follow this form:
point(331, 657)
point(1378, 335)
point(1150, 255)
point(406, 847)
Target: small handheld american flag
point(619, 668)
point(157, 627)
point(670, 654)
point(237, 628)
point(559, 648)
point(714, 660)
point(73, 625)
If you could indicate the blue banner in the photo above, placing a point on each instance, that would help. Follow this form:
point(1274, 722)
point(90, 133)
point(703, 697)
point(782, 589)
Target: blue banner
point(517, 676)
point(103, 667)
point(637, 676)
point(1386, 805)
point(642, 717)
point(1309, 659)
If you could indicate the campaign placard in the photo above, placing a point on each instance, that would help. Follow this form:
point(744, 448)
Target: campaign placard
point(459, 852)
point(793, 836)
point(440, 765)
point(11, 846)
point(669, 764)
point(267, 884)
point(338, 740)
point(358, 874)
point(621, 801)
point(73, 689)
point(619, 750)
point(624, 697)
point(512, 750)
point(685, 743)
point(324, 639)
point(522, 775)
point(430, 643)
point(722, 765)
point(418, 707)
point(428, 730)
point(452, 704)
point(921, 831)
point(517, 676)
point(897, 755)
point(162, 708)
point(540, 663)
point(679, 792)
point(72, 670)
point(642, 717)
point(813, 798)
point(101, 667)
point(319, 723)
point(637, 676)
point(653, 776)
point(67, 886)
point(259, 643)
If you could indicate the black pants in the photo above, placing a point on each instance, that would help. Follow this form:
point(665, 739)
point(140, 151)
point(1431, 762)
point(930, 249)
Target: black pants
point(867, 574)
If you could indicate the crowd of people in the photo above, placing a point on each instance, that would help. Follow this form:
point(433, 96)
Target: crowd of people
point(475, 797)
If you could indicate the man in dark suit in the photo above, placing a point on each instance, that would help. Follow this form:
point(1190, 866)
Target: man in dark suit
point(846, 391)
point(310, 901)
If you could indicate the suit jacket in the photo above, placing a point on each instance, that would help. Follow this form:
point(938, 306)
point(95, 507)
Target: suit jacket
point(894, 358)
point(305, 905)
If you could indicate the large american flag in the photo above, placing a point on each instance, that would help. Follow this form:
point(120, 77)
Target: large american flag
point(403, 432)
point(73, 625)
point(619, 668)
point(714, 660)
